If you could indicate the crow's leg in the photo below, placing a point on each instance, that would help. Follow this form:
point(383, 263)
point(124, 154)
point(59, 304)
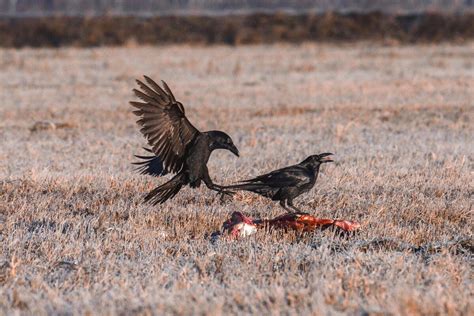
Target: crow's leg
point(283, 204)
point(215, 187)
point(222, 190)
point(290, 204)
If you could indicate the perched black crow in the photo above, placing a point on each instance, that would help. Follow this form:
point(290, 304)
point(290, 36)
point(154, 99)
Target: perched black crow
point(287, 183)
point(176, 145)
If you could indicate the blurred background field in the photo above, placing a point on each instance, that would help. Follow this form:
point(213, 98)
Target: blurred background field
point(54, 23)
point(75, 238)
point(219, 7)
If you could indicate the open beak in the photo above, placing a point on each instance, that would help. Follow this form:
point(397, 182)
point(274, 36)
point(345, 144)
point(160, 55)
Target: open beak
point(234, 150)
point(324, 157)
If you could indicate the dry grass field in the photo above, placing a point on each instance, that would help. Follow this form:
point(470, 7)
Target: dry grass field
point(75, 238)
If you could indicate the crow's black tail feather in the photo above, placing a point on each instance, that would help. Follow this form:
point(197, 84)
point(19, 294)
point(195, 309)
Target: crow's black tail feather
point(167, 190)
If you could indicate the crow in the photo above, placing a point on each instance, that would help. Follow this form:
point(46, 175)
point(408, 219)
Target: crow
point(176, 145)
point(287, 183)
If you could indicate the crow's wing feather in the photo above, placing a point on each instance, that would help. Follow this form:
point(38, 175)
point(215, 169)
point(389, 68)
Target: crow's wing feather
point(150, 165)
point(286, 177)
point(163, 123)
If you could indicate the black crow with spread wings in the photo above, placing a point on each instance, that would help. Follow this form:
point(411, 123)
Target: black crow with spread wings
point(287, 183)
point(176, 145)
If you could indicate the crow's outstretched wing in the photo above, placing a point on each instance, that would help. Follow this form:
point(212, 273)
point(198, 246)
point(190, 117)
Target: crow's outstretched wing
point(163, 123)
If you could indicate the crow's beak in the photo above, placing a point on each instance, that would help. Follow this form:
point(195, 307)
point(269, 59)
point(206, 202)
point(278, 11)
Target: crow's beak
point(234, 150)
point(324, 157)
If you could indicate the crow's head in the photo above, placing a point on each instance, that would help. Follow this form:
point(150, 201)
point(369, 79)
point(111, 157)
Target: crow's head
point(220, 140)
point(316, 160)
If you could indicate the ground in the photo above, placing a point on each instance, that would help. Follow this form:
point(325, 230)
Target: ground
point(75, 237)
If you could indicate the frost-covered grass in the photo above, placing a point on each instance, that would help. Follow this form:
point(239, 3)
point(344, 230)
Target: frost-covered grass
point(74, 237)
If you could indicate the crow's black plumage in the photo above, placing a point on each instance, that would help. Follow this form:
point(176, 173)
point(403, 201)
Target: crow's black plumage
point(287, 183)
point(176, 145)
